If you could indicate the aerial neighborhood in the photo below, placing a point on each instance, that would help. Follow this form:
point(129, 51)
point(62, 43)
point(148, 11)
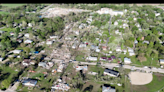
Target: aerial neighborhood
point(81, 47)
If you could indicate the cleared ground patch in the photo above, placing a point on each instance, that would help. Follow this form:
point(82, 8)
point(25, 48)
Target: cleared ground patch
point(138, 78)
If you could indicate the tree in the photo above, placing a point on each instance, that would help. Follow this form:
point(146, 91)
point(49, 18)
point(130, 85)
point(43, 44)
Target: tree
point(145, 25)
point(6, 83)
point(27, 50)
point(24, 23)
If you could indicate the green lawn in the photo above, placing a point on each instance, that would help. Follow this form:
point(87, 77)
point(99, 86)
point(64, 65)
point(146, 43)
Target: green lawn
point(12, 5)
point(2, 12)
point(8, 29)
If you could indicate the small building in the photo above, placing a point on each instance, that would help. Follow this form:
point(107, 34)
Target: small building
point(60, 68)
point(27, 35)
point(82, 45)
point(161, 61)
point(28, 41)
point(147, 42)
point(111, 72)
point(78, 68)
point(67, 38)
point(29, 24)
point(29, 82)
point(115, 23)
point(1, 59)
point(127, 60)
point(49, 42)
point(93, 73)
point(42, 64)
point(92, 58)
point(104, 47)
point(27, 62)
point(118, 49)
point(53, 37)
point(16, 51)
point(11, 33)
point(107, 88)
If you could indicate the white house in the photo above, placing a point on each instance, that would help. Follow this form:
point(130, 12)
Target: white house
point(16, 51)
point(27, 35)
point(27, 62)
point(115, 23)
point(30, 24)
point(111, 72)
point(49, 42)
point(157, 14)
point(29, 82)
point(52, 37)
point(92, 58)
point(118, 49)
point(134, 19)
point(28, 41)
point(82, 45)
point(67, 38)
point(127, 61)
point(42, 64)
point(11, 33)
point(109, 11)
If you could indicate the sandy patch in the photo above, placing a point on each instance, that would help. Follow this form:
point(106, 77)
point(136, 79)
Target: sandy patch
point(139, 78)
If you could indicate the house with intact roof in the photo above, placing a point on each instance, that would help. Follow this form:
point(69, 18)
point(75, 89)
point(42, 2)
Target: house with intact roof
point(29, 82)
point(111, 72)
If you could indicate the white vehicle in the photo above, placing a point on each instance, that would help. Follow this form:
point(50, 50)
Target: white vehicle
point(145, 67)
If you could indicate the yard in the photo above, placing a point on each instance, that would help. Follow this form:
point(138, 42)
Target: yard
point(3, 12)
point(12, 5)
point(8, 29)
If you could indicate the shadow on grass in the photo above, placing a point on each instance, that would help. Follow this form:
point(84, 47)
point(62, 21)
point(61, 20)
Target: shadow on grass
point(89, 88)
point(4, 76)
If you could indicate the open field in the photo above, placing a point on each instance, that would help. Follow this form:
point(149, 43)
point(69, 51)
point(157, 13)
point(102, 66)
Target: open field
point(2, 12)
point(12, 5)
point(138, 78)
point(153, 86)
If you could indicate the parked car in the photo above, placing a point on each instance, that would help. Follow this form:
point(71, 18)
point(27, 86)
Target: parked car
point(145, 67)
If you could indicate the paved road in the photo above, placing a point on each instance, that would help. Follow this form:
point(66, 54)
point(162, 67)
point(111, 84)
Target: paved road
point(110, 65)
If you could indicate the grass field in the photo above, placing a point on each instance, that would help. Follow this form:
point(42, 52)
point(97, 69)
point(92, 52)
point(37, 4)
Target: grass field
point(8, 29)
point(12, 5)
point(2, 12)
